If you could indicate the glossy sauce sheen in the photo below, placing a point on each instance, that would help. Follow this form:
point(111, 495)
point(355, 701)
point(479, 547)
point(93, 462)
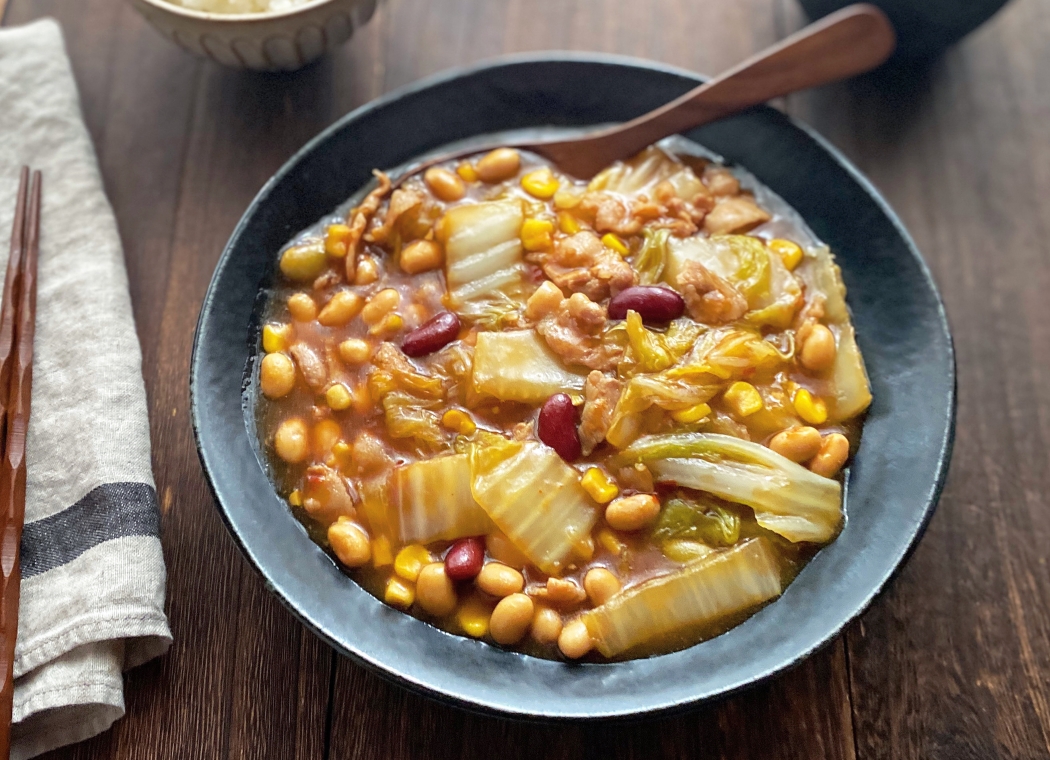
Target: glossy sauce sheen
point(435, 339)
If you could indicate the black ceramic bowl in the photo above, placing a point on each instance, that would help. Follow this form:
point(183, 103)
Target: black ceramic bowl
point(924, 27)
point(892, 486)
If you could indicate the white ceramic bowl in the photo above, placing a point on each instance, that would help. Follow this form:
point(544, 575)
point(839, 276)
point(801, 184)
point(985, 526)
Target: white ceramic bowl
point(274, 41)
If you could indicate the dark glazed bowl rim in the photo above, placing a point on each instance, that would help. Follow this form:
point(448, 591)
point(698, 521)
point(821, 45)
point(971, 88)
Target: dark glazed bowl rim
point(919, 393)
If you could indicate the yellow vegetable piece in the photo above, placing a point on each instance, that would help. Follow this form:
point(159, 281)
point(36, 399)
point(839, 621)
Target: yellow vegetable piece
point(276, 338)
point(399, 593)
point(789, 252)
point(473, 617)
point(336, 240)
point(410, 561)
point(338, 397)
point(584, 549)
point(597, 484)
point(540, 184)
point(382, 554)
point(612, 544)
point(467, 172)
point(743, 399)
point(812, 410)
point(388, 325)
point(458, 421)
point(612, 241)
point(295, 498)
point(341, 452)
point(692, 414)
point(567, 223)
point(564, 199)
point(536, 234)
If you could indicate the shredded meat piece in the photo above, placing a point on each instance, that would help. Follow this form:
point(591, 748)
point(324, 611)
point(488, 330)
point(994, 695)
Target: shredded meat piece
point(326, 280)
point(311, 365)
point(370, 455)
point(710, 299)
point(600, 394)
point(637, 478)
point(333, 362)
point(683, 216)
point(559, 592)
point(733, 215)
point(573, 329)
point(720, 181)
point(326, 496)
point(808, 316)
point(680, 228)
point(580, 263)
point(402, 200)
point(390, 358)
point(358, 219)
point(611, 213)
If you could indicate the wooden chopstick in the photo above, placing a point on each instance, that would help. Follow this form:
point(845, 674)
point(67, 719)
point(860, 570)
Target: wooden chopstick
point(17, 327)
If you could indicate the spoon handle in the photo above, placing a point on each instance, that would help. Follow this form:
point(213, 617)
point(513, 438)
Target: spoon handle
point(846, 43)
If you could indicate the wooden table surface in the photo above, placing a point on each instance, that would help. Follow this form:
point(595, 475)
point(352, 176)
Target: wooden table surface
point(953, 661)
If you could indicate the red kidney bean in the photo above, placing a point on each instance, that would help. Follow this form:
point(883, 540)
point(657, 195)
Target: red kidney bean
point(557, 427)
point(464, 559)
point(653, 303)
point(437, 332)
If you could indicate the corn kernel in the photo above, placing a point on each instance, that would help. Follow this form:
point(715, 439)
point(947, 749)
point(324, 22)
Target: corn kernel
point(612, 544)
point(584, 549)
point(692, 414)
point(276, 338)
point(611, 241)
point(812, 410)
point(597, 484)
point(473, 617)
point(336, 240)
point(540, 184)
point(458, 421)
point(410, 560)
point(790, 253)
point(536, 234)
point(743, 399)
point(382, 554)
point(389, 324)
point(295, 498)
point(567, 223)
point(564, 199)
point(338, 397)
point(399, 593)
point(341, 454)
point(467, 172)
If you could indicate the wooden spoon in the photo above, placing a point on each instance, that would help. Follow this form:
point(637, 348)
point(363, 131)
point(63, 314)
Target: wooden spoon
point(843, 44)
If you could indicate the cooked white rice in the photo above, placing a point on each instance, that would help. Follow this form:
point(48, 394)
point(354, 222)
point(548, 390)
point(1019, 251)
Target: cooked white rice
point(239, 6)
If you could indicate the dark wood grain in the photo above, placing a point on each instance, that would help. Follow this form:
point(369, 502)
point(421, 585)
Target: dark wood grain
point(952, 662)
point(955, 660)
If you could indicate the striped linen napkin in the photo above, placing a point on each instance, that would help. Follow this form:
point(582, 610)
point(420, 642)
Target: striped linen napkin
point(92, 601)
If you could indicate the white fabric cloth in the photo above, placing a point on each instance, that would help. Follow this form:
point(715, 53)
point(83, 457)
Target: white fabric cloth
point(92, 599)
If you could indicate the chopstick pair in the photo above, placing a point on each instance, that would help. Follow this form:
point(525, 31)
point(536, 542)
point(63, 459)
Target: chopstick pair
point(17, 326)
